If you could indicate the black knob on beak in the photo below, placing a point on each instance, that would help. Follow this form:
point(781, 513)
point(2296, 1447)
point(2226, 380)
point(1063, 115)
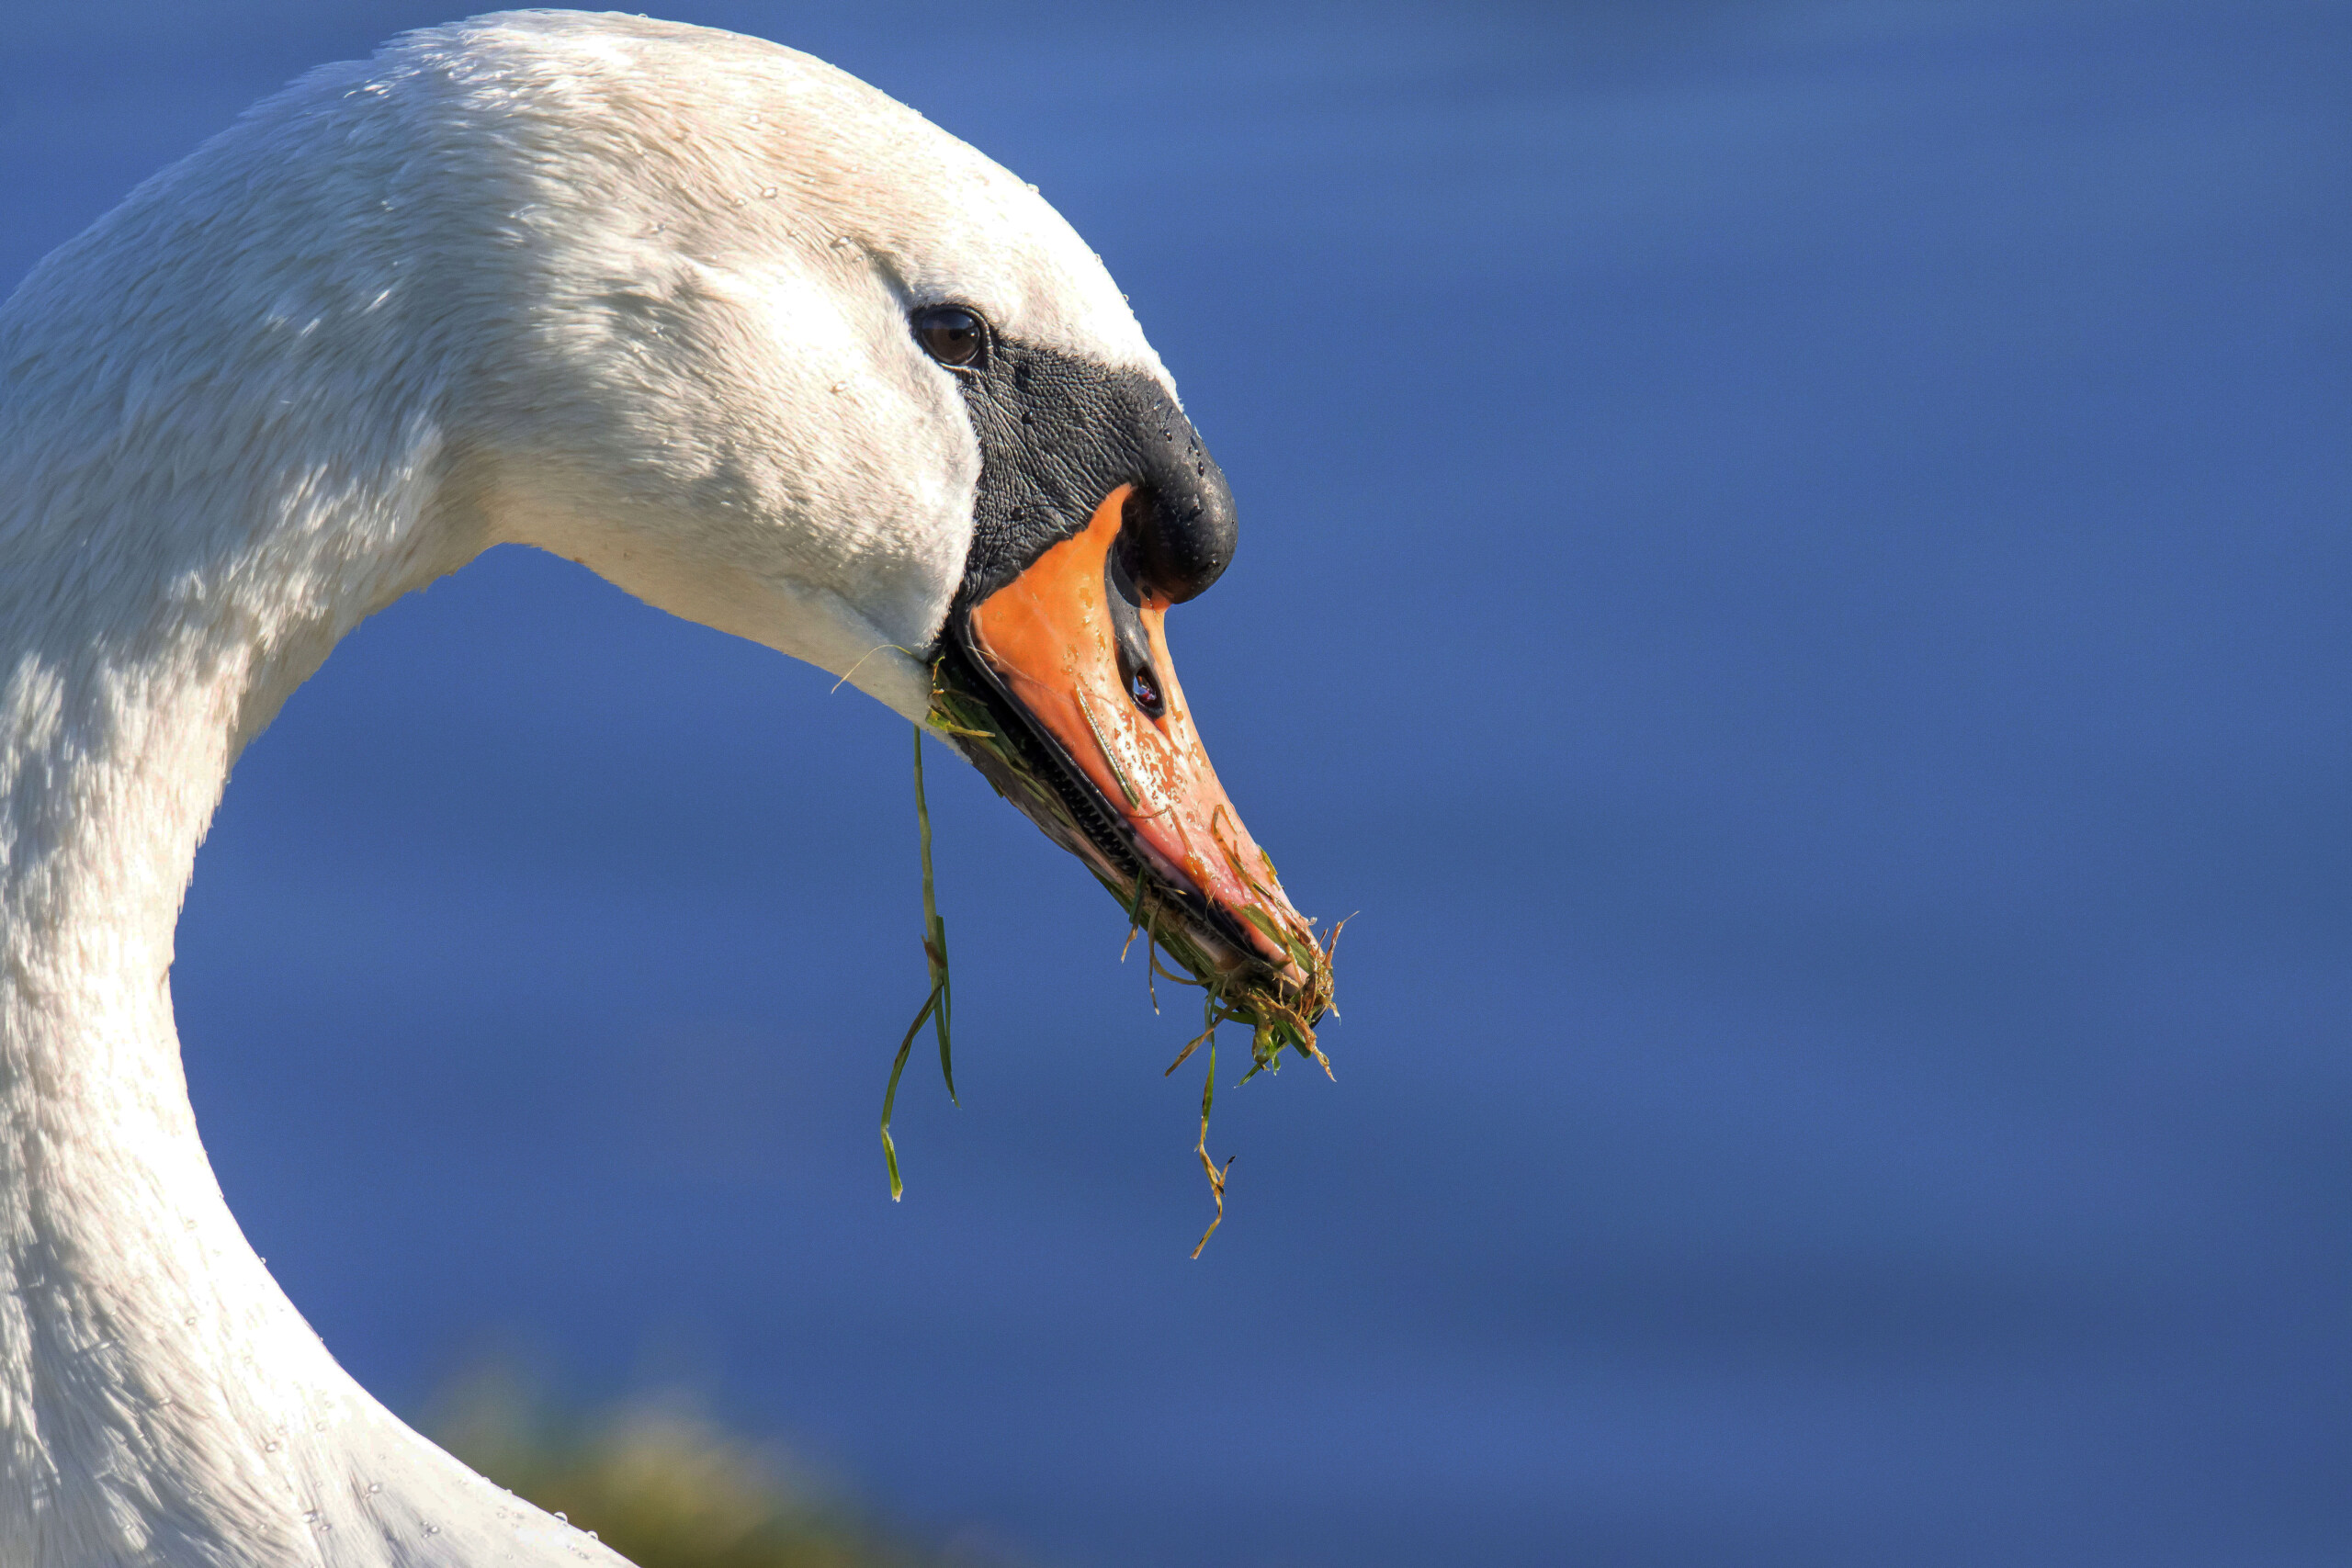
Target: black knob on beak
point(1179, 529)
point(1057, 435)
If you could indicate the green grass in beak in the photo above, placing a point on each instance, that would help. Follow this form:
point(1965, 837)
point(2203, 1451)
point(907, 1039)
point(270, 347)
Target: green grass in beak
point(1281, 1016)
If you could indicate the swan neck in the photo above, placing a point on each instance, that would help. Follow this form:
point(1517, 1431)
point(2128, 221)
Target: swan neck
point(161, 1401)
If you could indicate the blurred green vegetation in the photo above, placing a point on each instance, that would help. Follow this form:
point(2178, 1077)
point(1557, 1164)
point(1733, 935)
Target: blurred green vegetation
point(662, 1482)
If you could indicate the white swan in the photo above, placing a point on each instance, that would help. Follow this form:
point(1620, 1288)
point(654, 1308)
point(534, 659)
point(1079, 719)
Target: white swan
point(746, 337)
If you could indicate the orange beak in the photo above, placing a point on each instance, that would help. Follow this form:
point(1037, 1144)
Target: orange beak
point(1083, 652)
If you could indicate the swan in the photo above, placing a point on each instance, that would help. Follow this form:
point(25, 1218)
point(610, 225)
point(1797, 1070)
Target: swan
point(733, 330)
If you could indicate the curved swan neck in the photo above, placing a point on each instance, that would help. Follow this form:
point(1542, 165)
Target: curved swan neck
point(203, 486)
point(160, 1400)
point(172, 565)
point(151, 622)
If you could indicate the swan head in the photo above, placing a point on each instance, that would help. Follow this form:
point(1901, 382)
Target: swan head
point(771, 351)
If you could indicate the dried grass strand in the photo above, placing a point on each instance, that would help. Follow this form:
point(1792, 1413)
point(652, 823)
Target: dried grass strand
point(1216, 1174)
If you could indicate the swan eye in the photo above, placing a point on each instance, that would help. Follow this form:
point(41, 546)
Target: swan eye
point(951, 334)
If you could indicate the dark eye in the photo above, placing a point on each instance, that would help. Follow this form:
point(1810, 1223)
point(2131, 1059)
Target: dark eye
point(951, 334)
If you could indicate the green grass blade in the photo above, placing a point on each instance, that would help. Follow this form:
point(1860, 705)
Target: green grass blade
point(939, 1016)
point(934, 933)
point(890, 1096)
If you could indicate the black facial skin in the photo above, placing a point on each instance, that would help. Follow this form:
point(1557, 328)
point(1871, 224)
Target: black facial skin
point(1058, 433)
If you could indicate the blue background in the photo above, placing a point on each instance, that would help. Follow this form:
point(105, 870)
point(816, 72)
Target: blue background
point(1794, 569)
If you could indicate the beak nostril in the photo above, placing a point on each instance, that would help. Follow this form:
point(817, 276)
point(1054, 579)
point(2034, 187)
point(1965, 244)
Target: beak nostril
point(1143, 685)
point(1124, 597)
